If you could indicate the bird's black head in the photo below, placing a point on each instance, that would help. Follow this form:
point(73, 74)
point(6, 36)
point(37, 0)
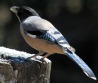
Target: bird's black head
point(23, 12)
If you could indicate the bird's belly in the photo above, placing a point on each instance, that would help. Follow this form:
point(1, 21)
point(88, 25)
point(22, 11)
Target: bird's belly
point(43, 45)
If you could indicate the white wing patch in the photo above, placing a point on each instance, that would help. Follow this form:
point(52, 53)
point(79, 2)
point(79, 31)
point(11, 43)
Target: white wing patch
point(30, 35)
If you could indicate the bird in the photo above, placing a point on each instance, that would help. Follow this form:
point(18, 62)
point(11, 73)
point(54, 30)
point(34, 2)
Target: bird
point(41, 35)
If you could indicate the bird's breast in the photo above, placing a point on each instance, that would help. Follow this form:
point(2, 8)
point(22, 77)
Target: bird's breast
point(42, 45)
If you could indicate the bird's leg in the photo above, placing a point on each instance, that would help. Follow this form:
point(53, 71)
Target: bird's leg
point(39, 54)
point(45, 56)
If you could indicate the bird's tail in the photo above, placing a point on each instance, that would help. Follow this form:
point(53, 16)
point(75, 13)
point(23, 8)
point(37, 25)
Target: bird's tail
point(80, 63)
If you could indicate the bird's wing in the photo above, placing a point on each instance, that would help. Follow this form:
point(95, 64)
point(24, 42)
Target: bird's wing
point(36, 29)
point(55, 35)
point(69, 51)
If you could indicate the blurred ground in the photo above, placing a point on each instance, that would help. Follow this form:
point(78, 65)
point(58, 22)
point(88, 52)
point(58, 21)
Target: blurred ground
point(78, 22)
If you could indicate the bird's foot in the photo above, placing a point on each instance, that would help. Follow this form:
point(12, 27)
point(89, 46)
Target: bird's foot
point(34, 56)
point(43, 59)
point(40, 59)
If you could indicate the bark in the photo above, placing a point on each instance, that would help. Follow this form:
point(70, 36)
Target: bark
point(16, 68)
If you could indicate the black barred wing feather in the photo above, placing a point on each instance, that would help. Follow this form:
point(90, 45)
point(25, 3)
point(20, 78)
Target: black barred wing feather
point(41, 35)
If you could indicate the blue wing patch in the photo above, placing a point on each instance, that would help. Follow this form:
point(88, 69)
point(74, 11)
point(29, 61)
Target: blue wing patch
point(43, 35)
point(47, 37)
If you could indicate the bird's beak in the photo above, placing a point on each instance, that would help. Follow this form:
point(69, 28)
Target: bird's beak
point(14, 9)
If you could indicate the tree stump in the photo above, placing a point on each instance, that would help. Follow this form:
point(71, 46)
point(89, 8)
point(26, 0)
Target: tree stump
point(15, 68)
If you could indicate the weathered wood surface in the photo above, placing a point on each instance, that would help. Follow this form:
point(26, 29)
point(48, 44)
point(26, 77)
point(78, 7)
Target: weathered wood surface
point(15, 68)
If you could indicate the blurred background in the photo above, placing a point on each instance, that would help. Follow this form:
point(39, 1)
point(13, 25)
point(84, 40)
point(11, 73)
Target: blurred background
point(77, 20)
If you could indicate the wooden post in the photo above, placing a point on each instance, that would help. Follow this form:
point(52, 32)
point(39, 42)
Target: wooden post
point(15, 68)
